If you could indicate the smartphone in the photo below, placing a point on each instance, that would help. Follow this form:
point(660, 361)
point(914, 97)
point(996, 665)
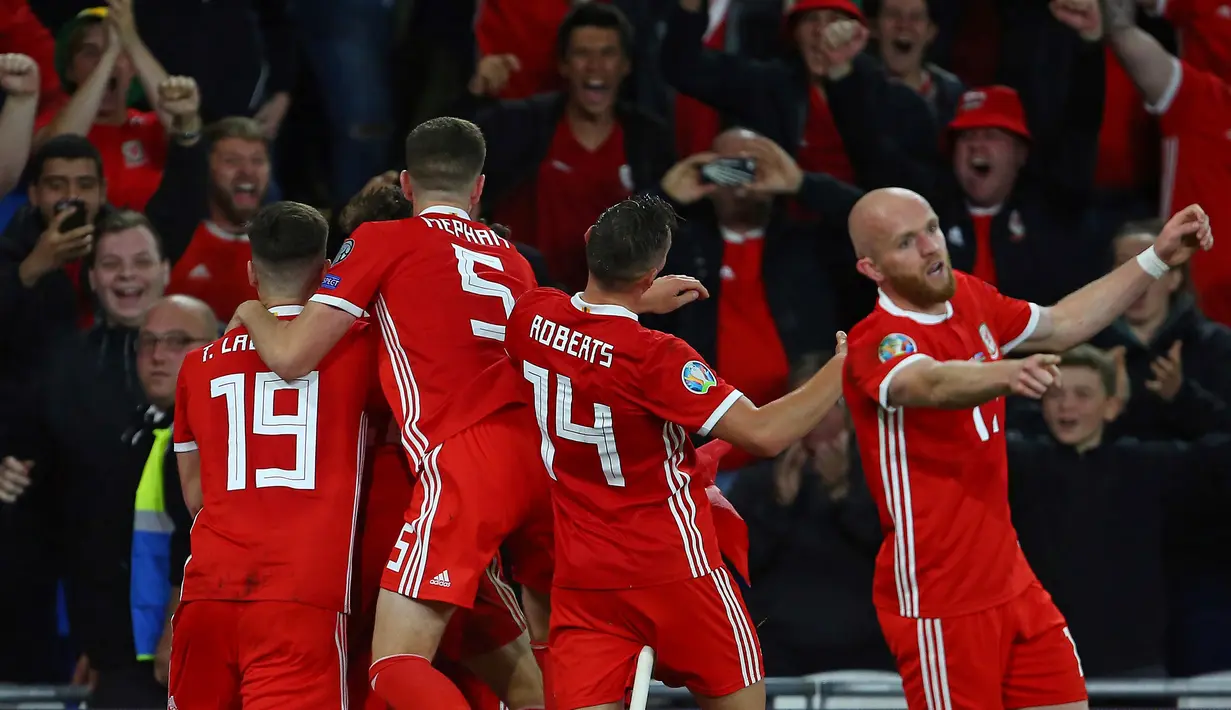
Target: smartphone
point(74, 220)
point(729, 172)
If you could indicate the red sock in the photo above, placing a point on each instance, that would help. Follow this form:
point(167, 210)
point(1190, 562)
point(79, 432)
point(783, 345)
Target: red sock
point(542, 654)
point(410, 682)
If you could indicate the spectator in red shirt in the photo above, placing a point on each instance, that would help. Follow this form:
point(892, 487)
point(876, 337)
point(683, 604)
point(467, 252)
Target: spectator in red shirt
point(21, 32)
point(19, 81)
point(103, 53)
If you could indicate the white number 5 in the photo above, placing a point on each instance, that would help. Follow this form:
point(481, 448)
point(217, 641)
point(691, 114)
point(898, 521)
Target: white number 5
point(601, 435)
point(301, 425)
point(473, 283)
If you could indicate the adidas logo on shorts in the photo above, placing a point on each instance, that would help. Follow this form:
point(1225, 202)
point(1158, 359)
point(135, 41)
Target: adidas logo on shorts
point(441, 580)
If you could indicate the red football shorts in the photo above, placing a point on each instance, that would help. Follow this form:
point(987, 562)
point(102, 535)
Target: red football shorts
point(1016, 655)
point(699, 629)
point(257, 655)
point(482, 486)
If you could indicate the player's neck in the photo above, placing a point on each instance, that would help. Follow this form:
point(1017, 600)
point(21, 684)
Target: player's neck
point(596, 295)
point(935, 309)
point(437, 199)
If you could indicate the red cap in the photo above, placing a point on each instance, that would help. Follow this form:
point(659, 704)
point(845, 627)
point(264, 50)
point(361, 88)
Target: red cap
point(845, 6)
point(991, 107)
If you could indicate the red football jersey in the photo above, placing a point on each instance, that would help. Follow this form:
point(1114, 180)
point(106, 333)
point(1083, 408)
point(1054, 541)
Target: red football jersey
point(441, 286)
point(1195, 118)
point(281, 468)
point(615, 404)
point(939, 476)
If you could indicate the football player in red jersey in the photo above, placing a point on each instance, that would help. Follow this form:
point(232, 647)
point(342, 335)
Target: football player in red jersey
point(263, 614)
point(637, 557)
point(925, 381)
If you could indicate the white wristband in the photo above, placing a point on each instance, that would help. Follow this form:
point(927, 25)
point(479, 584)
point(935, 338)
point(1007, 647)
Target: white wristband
point(1151, 264)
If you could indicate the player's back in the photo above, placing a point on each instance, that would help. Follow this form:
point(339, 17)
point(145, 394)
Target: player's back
point(939, 476)
point(281, 467)
point(440, 287)
point(613, 399)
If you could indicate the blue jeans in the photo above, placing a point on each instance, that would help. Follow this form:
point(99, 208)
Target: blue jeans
point(349, 43)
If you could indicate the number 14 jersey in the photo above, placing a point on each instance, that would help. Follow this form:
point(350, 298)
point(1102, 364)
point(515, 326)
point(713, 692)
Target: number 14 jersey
point(440, 286)
point(616, 403)
point(281, 467)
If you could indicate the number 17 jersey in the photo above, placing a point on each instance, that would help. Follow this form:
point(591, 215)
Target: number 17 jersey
point(615, 403)
point(440, 286)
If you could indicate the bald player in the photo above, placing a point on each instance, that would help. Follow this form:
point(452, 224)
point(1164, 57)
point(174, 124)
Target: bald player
point(925, 380)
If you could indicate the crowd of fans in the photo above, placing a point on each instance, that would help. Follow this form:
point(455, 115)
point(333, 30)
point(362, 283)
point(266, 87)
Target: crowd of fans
point(138, 138)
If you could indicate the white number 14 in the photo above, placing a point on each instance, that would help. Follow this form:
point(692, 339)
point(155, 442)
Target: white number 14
point(601, 435)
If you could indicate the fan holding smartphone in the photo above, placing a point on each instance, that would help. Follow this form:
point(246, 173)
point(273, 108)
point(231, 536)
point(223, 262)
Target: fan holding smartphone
point(69, 236)
point(743, 161)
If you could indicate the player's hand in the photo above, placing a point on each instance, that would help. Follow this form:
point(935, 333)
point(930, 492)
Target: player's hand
point(682, 183)
point(840, 344)
point(777, 171)
point(1033, 376)
point(668, 293)
point(55, 248)
point(492, 74)
point(1186, 232)
point(842, 41)
point(1168, 374)
point(237, 320)
point(18, 75)
point(1082, 15)
point(14, 478)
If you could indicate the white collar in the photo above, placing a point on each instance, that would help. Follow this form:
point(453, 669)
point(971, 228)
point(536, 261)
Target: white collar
point(221, 233)
point(602, 309)
point(445, 209)
point(731, 236)
point(983, 211)
point(288, 310)
point(922, 318)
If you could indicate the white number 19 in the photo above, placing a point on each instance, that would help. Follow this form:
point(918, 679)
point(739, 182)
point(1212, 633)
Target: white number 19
point(301, 425)
point(601, 435)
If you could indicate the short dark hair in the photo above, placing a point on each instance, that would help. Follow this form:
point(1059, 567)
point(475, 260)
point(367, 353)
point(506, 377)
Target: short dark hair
point(67, 146)
point(382, 203)
point(1088, 356)
point(113, 221)
point(629, 239)
point(240, 127)
point(288, 241)
point(593, 14)
point(445, 154)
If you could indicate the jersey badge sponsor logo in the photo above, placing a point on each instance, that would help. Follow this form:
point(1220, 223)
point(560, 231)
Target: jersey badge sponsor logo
point(697, 378)
point(331, 282)
point(896, 345)
point(993, 350)
point(344, 251)
point(441, 580)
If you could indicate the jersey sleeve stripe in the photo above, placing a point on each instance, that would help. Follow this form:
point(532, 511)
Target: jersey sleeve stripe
point(1173, 89)
point(1035, 314)
point(183, 447)
point(884, 386)
point(339, 303)
point(720, 410)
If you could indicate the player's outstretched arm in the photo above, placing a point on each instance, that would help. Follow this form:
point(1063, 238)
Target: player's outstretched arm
point(961, 384)
point(1090, 309)
point(189, 464)
point(294, 348)
point(767, 431)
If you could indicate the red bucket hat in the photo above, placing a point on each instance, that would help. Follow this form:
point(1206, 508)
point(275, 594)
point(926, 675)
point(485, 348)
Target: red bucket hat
point(990, 107)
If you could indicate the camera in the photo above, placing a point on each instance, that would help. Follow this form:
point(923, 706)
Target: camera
point(729, 172)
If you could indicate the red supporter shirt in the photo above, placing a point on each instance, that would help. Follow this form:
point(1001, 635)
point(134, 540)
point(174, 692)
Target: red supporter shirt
point(441, 287)
point(1126, 154)
point(616, 403)
point(821, 150)
point(985, 258)
point(21, 32)
point(1204, 30)
point(1195, 119)
point(519, 27)
point(939, 476)
point(696, 124)
point(134, 154)
point(214, 268)
point(281, 470)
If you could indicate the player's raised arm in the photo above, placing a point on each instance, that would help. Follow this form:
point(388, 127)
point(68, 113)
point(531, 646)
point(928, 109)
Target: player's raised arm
point(767, 431)
point(1090, 309)
point(959, 384)
point(294, 348)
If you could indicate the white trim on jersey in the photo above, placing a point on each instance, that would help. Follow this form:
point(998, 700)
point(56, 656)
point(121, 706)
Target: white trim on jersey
point(894, 309)
point(339, 303)
point(413, 440)
point(716, 415)
point(1163, 105)
point(745, 641)
point(287, 310)
point(680, 502)
point(412, 575)
point(1035, 314)
point(895, 477)
point(600, 309)
point(183, 447)
point(883, 391)
point(360, 455)
point(339, 640)
point(932, 664)
point(445, 209)
point(506, 594)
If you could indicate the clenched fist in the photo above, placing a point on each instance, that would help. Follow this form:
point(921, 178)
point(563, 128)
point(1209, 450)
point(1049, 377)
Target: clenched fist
point(842, 40)
point(179, 97)
point(18, 75)
point(493, 73)
point(1082, 15)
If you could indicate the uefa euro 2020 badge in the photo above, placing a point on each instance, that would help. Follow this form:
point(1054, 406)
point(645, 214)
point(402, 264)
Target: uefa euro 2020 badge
point(697, 378)
point(895, 345)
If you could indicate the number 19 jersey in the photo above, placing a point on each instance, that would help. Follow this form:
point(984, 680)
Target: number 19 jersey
point(281, 467)
point(615, 403)
point(440, 286)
